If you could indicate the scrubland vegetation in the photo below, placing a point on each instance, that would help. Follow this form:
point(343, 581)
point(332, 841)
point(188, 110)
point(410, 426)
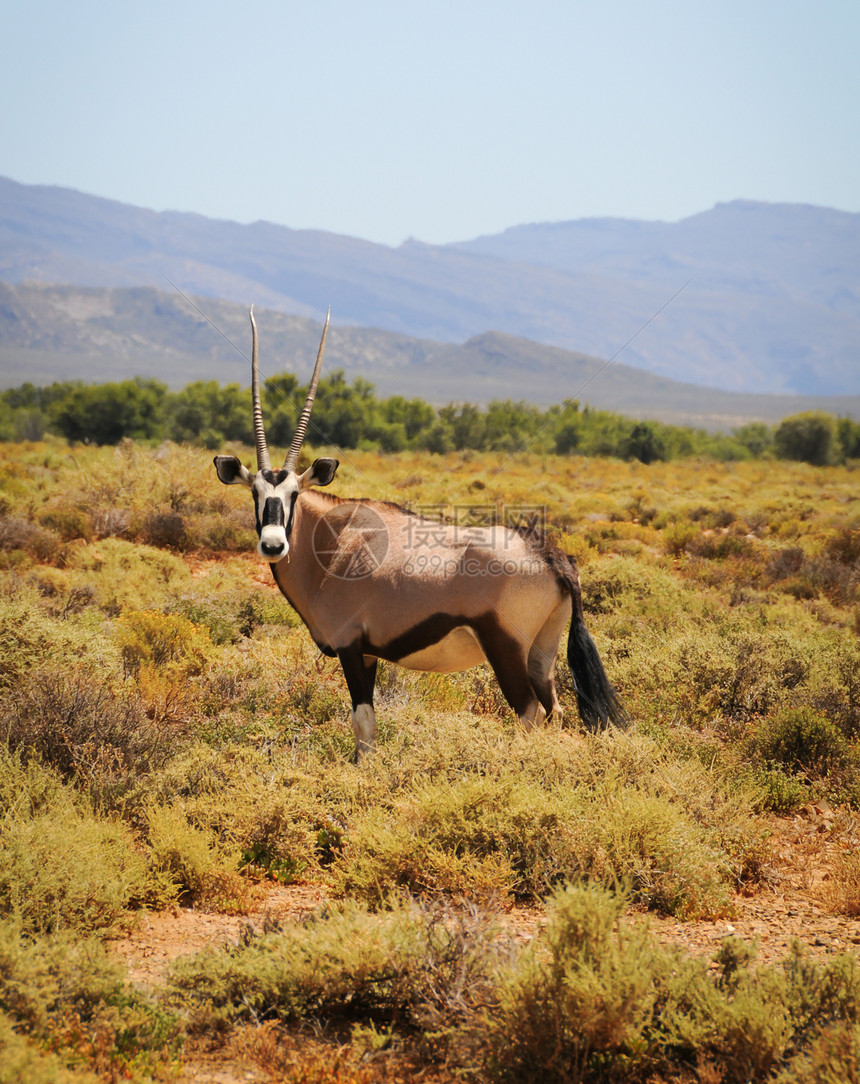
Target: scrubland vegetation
point(172, 737)
point(351, 415)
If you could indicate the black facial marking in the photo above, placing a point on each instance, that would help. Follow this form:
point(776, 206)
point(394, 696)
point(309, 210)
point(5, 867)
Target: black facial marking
point(274, 477)
point(273, 512)
point(293, 498)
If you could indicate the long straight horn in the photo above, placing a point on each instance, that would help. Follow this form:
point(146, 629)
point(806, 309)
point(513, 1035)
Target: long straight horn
point(263, 461)
point(305, 416)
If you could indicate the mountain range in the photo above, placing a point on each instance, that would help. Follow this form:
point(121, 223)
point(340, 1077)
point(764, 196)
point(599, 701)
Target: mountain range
point(753, 298)
point(99, 334)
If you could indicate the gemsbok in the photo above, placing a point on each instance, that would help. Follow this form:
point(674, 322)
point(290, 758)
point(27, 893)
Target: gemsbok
point(375, 581)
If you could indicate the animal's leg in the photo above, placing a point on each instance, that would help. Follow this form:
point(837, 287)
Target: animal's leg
point(370, 665)
point(360, 673)
point(542, 656)
point(507, 656)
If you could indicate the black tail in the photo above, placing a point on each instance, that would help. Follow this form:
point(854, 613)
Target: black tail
point(598, 702)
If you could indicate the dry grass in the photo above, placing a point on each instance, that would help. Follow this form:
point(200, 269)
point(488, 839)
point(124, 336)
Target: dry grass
point(172, 733)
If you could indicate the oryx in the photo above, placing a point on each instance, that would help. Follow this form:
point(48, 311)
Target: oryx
point(374, 581)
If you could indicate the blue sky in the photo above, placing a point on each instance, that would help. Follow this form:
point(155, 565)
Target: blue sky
point(439, 121)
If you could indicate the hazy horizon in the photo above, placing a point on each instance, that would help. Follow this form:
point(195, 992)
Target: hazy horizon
point(443, 124)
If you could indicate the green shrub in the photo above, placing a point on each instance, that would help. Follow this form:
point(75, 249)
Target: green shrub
point(30, 637)
point(412, 966)
point(734, 672)
point(66, 993)
point(70, 521)
point(578, 1004)
point(598, 999)
point(164, 642)
point(679, 537)
point(125, 575)
point(801, 740)
point(782, 792)
point(809, 438)
point(89, 729)
point(188, 863)
point(231, 605)
point(721, 545)
point(62, 867)
point(836, 691)
point(234, 806)
point(490, 837)
point(281, 835)
point(22, 1062)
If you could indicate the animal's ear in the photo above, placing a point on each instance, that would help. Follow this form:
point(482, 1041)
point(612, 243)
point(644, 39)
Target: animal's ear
point(320, 473)
point(232, 472)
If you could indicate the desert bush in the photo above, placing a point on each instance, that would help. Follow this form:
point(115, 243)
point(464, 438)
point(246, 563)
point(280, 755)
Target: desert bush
point(152, 640)
point(91, 730)
point(466, 808)
point(592, 998)
point(63, 513)
point(836, 690)
point(66, 993)
point(844, 545)
point(506, 834)
point(164, 653)
point(842, 891)
point(679, 537)
point(125, 575)
point(230, 531)
point(732, 671)
point(30, 636)
point(231, 604)
point(286, 835)
point(20, 536)
point(413, 966)
point(612, 806)
point(833, 1057)
point(69, 523)
point(189, 864)
point(782, 792)
point(804, 741)
point(483, 839)
point(609, 1003)
point(61, 866)
point(166, 528)
point(799, 749)
point(227, 620)
point(22, 1061)
point(826, 574)
point(633, 588)
point(722, 544)
point(302, 1058)
point(587, 991)
point(258, 810)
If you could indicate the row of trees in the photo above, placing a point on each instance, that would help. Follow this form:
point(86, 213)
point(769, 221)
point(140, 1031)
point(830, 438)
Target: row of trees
point(350, 415)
